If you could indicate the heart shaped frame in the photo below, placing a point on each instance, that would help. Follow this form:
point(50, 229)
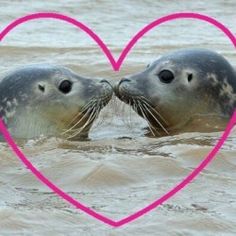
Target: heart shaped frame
point(116, 64)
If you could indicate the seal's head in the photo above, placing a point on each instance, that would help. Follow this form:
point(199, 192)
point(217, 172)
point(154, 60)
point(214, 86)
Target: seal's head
point(51, 101)
point(179, 87)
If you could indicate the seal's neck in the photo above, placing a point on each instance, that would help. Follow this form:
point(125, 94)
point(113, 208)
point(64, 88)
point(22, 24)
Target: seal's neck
point(28, 126)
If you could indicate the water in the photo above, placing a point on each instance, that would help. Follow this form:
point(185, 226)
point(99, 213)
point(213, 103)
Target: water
point(119, 170)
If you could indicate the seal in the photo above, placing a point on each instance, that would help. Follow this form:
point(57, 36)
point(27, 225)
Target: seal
point(51, 100)
point(183, 91)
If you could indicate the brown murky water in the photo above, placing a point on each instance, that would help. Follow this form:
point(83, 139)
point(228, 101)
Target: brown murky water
point(119, 170)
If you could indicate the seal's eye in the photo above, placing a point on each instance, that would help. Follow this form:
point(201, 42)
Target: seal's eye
point(41, 87)
point(190, 77)
point(166, 76)
point(65, 86)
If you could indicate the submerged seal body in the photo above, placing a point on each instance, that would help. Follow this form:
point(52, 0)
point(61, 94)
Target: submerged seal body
point(187, 90)
point(51, 100)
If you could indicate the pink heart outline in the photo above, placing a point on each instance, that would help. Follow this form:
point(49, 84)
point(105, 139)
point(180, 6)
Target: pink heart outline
point(116, 64)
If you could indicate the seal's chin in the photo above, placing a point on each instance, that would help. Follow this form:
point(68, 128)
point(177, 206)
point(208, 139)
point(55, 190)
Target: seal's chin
point(143, 107)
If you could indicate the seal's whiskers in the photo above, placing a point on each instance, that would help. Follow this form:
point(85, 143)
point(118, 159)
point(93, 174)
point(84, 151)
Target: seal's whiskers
point(128, 117)
point(155, 118)
point(78, 122)
point(139, 105)
point(90, 119)
point(98, 108)
point(154, 110)
point(100, 104)
point(86, 108)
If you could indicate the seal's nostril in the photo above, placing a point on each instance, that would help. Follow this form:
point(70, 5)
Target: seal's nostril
point(103, 81)
point(124, 80)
